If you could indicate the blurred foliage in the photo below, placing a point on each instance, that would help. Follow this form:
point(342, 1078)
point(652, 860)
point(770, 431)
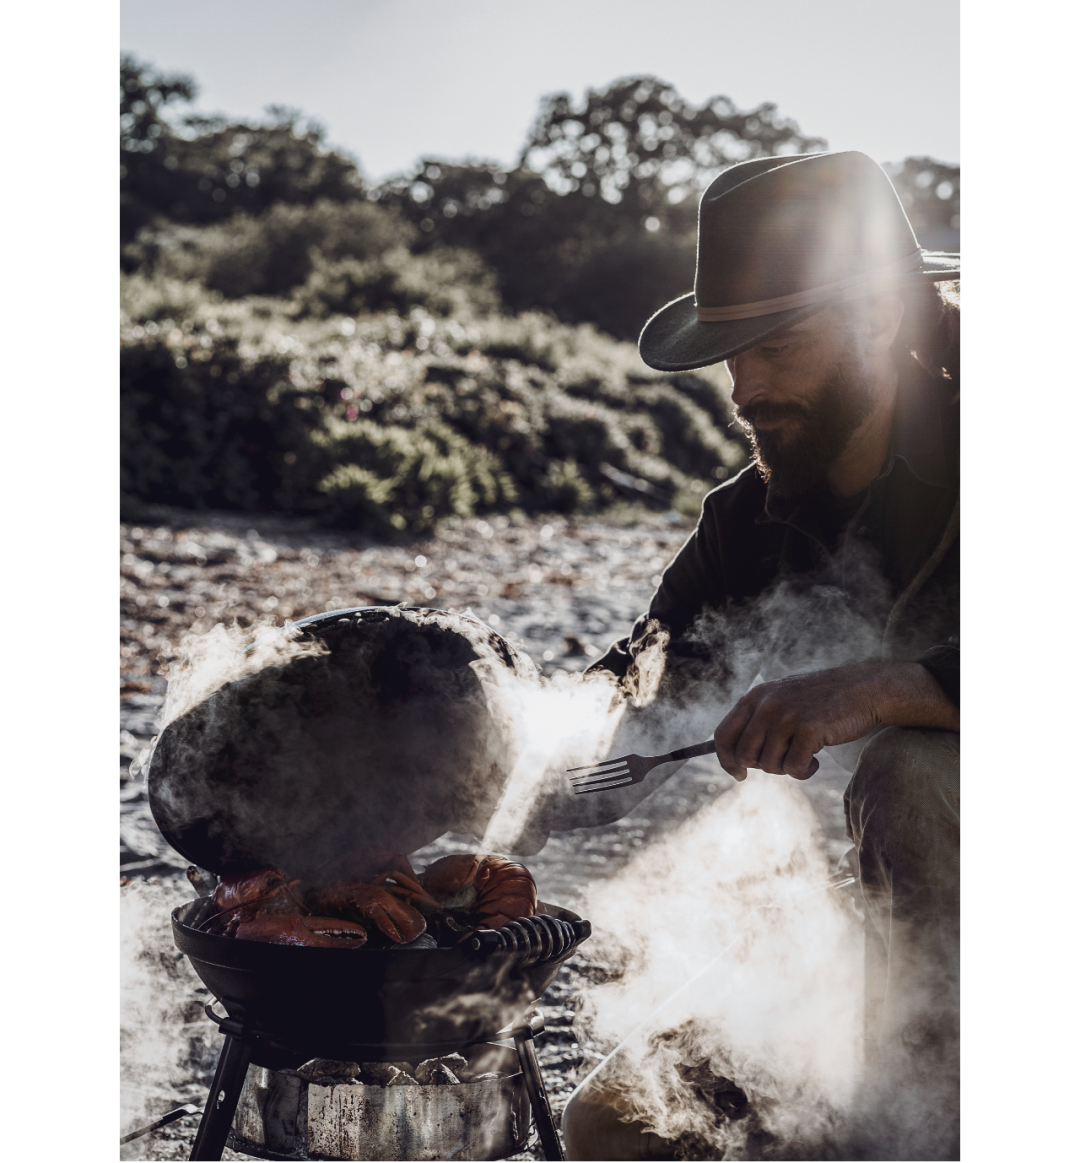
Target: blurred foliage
point(271, 253)
point(446, 281)
point(295, 340)
point(930, 192)
point(398, 419)
point(597, 222)
point(196, 170)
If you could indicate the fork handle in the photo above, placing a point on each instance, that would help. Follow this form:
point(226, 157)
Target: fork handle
point(707, 748)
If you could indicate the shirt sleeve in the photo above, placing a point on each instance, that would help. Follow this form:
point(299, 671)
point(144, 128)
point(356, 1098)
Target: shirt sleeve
point(687, 586)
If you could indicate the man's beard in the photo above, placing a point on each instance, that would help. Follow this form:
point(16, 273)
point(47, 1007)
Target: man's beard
point(793, 462)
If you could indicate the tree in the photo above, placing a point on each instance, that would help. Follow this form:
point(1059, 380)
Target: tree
point(597, 219)
point(930, 192)
point(146, 181)
point(638, 142)
point(197, 170)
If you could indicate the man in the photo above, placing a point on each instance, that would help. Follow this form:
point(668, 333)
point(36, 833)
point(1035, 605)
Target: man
point(845, 363)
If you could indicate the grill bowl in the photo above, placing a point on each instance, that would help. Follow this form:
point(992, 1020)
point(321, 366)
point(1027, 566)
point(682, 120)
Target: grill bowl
point(366, 1004)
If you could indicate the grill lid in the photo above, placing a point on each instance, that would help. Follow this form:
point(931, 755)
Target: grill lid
point(392, 737)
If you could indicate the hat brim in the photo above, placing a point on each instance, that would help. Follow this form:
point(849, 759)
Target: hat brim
point(675, 340)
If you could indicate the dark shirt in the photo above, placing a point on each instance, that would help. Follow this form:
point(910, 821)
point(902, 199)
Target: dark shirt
point(871, 548)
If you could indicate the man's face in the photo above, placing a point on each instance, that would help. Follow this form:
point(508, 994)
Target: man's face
point(799, 397)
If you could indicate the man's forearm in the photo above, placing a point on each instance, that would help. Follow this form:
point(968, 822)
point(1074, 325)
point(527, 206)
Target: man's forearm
point(910, 696)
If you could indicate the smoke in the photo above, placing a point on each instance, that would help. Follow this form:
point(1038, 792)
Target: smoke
point(166, 1055)
point(559, 723)
point(726, 945)
point(670, 700)
point(207, 662)
point(730, 952)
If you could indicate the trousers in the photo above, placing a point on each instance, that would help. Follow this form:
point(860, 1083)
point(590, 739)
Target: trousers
point(903, 815)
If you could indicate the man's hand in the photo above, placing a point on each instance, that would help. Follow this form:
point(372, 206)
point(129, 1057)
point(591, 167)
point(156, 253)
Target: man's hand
point(779, 726)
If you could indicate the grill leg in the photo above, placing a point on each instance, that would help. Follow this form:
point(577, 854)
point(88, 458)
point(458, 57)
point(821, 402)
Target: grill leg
point(534, 1084)
point(221, 1103)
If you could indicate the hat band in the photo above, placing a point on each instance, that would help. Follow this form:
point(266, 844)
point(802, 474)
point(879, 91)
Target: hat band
point(806, 298)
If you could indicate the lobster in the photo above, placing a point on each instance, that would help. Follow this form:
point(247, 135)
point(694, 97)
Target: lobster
point(500, 890)
point(370, 888)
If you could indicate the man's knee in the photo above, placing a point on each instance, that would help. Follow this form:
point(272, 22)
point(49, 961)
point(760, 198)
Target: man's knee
point(903, 813)
point(904, 773)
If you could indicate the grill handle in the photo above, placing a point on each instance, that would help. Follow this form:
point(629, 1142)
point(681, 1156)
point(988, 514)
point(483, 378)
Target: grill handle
point(537, 938)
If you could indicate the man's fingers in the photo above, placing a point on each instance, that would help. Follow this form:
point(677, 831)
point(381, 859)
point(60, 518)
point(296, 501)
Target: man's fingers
point(814, 765)
point(799, 762)
point(729, 732)
point(752, 741)
point(778, 745)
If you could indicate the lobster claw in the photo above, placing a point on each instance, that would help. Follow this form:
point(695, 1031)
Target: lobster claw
point(397, 919)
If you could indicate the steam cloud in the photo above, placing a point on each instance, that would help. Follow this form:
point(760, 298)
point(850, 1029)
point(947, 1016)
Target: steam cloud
point(163, 1031)
point(727, 946)
point(209, 661)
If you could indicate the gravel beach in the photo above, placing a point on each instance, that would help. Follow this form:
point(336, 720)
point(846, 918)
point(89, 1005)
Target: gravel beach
point(562, 590)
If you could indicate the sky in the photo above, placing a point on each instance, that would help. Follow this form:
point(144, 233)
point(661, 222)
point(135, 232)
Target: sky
point(394, 80)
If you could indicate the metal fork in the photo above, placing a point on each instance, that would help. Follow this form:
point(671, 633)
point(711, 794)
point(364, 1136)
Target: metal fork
point(630, 768)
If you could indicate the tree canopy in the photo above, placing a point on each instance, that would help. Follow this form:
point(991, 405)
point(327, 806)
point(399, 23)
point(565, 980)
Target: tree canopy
point(192, 169)
point(595, 222)
point(597, 219)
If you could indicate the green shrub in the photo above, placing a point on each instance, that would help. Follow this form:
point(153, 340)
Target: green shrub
point(406, 477)
point(443, 282)
point(153, 299)
point(274, 252)
point(400, 418)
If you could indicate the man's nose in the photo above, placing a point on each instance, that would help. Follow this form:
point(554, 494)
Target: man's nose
point(748, 384)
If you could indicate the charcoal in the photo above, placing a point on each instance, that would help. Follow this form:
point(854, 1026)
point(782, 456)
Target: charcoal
point(489, 1076)
point(378, 1073)
point(319, 1068)
point(405, 1068)
point(403, 1079)
point(452, 1064)
point(441, 1076)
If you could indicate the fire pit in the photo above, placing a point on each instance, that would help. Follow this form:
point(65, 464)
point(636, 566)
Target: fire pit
point(295, 766)
point(281, 1115)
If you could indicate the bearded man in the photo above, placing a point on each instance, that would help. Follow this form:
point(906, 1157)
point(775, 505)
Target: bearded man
point(841, 337)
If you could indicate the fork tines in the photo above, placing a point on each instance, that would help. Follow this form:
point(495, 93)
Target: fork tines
point(600, 776)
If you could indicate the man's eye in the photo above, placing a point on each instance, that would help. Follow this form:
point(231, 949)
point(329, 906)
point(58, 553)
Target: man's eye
point(776, 349)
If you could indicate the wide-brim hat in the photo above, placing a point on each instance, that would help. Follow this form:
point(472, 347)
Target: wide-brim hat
point(779, 239)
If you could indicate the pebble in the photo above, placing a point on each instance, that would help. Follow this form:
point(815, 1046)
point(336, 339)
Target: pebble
point(440, 1076)
point(565, 588)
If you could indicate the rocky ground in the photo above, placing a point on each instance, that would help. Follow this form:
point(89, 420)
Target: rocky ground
point(561, 589)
